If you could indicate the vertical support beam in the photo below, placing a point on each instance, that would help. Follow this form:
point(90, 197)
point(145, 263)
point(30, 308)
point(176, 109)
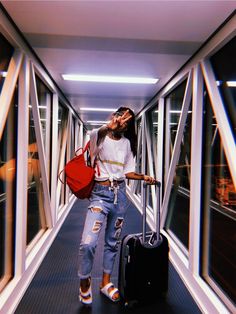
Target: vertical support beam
point(195, 181)
point(54, 156)
point(167, 140)
point(160, 143)
point(22, 168)
point(48, 105)
point(143, 151)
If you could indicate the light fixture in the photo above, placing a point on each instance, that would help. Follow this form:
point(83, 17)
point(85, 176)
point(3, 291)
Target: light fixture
point(3, 73)
point(228, 83)
point(109, 79)
point(174, 111)
point(171, 123)
point(95, 122)
point(231, 83)
point(98, 109)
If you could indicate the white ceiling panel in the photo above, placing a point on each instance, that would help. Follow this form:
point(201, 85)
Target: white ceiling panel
point(128, 38)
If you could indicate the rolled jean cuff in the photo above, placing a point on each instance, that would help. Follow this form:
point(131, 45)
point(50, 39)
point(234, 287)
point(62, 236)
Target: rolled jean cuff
point(107, 271)
point(84, 276)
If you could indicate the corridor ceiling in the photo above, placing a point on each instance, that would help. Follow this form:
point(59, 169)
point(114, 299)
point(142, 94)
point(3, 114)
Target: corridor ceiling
point(122, 38)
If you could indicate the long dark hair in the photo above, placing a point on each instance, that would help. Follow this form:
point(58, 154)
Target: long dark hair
point(130, 132)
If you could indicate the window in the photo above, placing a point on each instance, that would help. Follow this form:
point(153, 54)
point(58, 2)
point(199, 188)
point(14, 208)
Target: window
point(45, 104)
point(178, 207)
point(225, 73)
point(173, 107)
point(35, 202)
point(6, 53)
point(218, 210)
point(152, 129)
point(62, 132)
point(72, 142)
point(138, 169)
point(8, 146)
point(8, 193)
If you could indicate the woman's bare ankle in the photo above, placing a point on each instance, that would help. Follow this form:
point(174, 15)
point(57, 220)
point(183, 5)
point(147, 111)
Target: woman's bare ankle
point(84, 284)
point(106, 278)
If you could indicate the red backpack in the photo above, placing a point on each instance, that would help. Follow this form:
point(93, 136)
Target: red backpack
point(79, 174)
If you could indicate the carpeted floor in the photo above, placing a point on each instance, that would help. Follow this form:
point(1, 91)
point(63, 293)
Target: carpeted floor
point(54, 289)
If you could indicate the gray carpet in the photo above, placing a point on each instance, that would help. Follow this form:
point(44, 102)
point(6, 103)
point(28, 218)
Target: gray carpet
point(55, 287)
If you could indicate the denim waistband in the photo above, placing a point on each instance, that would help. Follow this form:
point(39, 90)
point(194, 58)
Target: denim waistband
point(109, 183)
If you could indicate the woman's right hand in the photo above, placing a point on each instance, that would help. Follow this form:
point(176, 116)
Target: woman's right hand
point(118, 122)
point(149, 179)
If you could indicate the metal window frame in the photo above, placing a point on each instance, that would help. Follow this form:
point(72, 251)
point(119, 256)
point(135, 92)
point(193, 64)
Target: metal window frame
point(227, 140)
point(23, 65)
point(177, 145)
point(7, 92)
point(9, 87)
point(22, 171)
point(221, 116)
point(40, 145)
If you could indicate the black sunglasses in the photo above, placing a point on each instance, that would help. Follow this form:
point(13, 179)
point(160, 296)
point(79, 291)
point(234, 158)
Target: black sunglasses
point(119, 113)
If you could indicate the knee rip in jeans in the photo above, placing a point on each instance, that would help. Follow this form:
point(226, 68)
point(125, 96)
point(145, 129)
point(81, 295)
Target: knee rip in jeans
point(96, 209)
point(117, 234)
point(119, 222)
point(97, 226)
point(117, 245)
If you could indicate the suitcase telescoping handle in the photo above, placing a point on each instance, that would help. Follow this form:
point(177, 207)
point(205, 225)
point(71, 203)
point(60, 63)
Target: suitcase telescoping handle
point(156, 234)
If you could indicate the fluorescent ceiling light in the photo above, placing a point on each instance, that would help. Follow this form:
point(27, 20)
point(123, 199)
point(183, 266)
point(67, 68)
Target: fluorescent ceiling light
point(40, 107)
point(228, 83)
point(171, 123)
point(178, 111)
point(98, 109)
point(231, 83)
point(95, 121)
point(3, 73)
point(109, 79)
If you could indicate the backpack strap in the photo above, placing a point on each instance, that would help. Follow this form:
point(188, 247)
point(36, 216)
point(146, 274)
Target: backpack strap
point(59, 176)
point(86, 148)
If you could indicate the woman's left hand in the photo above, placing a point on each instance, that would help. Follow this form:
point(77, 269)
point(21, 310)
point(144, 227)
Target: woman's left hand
point(149, 179)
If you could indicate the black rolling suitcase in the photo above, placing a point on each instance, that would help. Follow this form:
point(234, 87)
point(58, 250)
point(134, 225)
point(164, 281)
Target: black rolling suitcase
point(143, 268)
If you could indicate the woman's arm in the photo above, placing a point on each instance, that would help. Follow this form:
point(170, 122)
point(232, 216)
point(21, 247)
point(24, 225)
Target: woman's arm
point(139, 176)
point(102, 132)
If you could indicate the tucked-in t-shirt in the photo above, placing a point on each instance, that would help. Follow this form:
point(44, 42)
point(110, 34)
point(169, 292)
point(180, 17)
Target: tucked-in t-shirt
point(114, 158)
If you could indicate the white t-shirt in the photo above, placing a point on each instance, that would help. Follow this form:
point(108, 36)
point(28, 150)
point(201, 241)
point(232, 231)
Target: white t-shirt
point(114, 157)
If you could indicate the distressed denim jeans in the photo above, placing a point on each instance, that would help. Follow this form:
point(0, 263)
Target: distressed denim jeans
point(102, 209)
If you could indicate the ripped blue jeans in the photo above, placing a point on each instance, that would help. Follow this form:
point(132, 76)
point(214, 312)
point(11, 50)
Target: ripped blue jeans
point(102, 209)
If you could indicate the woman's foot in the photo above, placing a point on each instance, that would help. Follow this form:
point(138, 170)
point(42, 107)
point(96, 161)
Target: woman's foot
point(85, 291)
point(108, 288)
point(110, 291)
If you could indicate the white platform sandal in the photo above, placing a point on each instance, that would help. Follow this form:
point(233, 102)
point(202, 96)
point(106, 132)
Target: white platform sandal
point(110, 294)
point(86, 297)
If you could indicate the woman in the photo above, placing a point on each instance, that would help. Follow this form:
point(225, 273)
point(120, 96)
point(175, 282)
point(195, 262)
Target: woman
point(114, 145)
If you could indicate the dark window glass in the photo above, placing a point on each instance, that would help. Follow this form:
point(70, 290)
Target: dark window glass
point(8, 147)
point(173, 108)
point(138, 158)
point(224, 65)
point(218, 210)
point(6, 52)
point(45, 104)
point(72, 142)
point(178, 208)
point(35, 209)
point(62, 125)
point(152, 126)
